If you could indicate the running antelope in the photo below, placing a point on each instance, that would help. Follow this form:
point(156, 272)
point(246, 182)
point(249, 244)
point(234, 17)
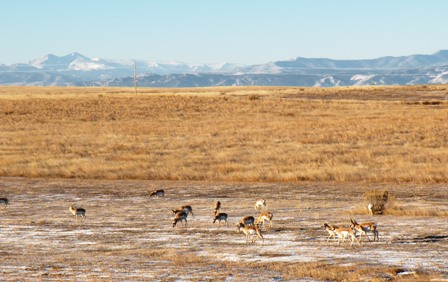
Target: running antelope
point(188, 209)
point(216, 207)
point(219, 217)
point(331, 230)
point(344, 232)
point(265, 216)
point(78, 212)
point(4, 201)
point(250, 230)
point(180, 216)
point(158, 193)
point(247, 220)
point(365, 227)
point(259, 204)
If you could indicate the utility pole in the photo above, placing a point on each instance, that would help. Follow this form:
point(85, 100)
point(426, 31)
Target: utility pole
point(135, 77)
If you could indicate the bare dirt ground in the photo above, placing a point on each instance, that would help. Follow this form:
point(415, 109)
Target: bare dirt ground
point(128, 235)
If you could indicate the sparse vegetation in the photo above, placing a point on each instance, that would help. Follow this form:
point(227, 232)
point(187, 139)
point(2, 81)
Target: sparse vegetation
point(320, 149)
point(128, 235)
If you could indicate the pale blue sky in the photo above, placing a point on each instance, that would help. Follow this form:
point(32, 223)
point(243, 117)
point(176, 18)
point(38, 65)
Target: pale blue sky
point(212, 31)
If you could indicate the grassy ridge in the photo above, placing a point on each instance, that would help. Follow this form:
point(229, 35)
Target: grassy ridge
point(370, 134)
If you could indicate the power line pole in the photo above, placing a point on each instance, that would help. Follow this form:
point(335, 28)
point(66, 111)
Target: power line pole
point(135, 77)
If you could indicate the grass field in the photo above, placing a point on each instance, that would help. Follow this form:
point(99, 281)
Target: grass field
point(312, 153)
point(371, 134)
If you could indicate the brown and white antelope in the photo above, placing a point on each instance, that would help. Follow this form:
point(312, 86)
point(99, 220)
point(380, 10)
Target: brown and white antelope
point(364, 228)
point(216, 207)
point(331, 230)
point(265, 216)
point(157, 193)
point(220, 217)
point(4, 201)
point(370, 208)
point(180, 216)
point(188, 209)
point(250, 230)
point(344, 232)
point(259, 204)
point(247, 220)
point(78, 212)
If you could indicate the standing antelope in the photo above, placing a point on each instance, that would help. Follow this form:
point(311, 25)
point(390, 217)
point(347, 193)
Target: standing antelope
point(220, 216)
point(265, 216)
point(4, 201)
point(259, 204)
point(331, 230)
point(216, 207)
point(180, 216)
point(250, 230)
point(370, 208)
point(188, 209)
point(343, 232)
point(365, 227)
point(78, 212)
point(247, 220)
point(158, 193)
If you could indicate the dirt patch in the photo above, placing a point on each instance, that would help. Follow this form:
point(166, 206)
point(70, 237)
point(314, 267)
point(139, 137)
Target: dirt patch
point(128, 235)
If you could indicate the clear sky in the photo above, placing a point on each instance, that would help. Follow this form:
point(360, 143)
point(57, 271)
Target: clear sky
point(216, 31)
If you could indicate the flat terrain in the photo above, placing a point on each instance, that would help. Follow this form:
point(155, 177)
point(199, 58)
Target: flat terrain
point(312, 153)
point(128, 235)
point(372, 134)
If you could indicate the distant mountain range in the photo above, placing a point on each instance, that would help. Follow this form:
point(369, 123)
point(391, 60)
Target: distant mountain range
point(78, 70)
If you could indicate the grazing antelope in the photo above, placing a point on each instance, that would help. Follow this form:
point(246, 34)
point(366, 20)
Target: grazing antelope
point(158, 193)
point(180, 216)
point(78, 212)
point(216, 207)
point(188, 209)
point(250, 230)
point(344, 232)
point(220, 216)
point(4, 201)
point(247, 220)
point(259, 204)
point(370, 208)
point(331, 230)
point(265, 216)
point(365, 227)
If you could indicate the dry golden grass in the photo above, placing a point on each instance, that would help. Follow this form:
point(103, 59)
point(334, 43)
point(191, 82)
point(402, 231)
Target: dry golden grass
point(362, 134)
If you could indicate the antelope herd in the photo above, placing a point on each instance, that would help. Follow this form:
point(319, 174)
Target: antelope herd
point(251, 227)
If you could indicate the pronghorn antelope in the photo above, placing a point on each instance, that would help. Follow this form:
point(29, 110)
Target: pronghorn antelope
point(365, 227)
point(180, 216)
point(265, 216)
point(4, 201)
point(158, 193)
point(188, 209)
point(247, 220)
point(250, 230)
point(343, 232)
point(219, 217)
point(259, 204)
point(370, 208)
point(78, 212)
point(331, 230)
point(216, 207)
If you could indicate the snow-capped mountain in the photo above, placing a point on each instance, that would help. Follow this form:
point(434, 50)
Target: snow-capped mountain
point(77, 69)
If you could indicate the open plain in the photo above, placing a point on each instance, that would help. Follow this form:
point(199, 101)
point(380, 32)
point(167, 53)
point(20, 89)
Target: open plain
point(310, 152)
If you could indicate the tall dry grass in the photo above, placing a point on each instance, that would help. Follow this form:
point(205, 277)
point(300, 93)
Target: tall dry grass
point(372, 134)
